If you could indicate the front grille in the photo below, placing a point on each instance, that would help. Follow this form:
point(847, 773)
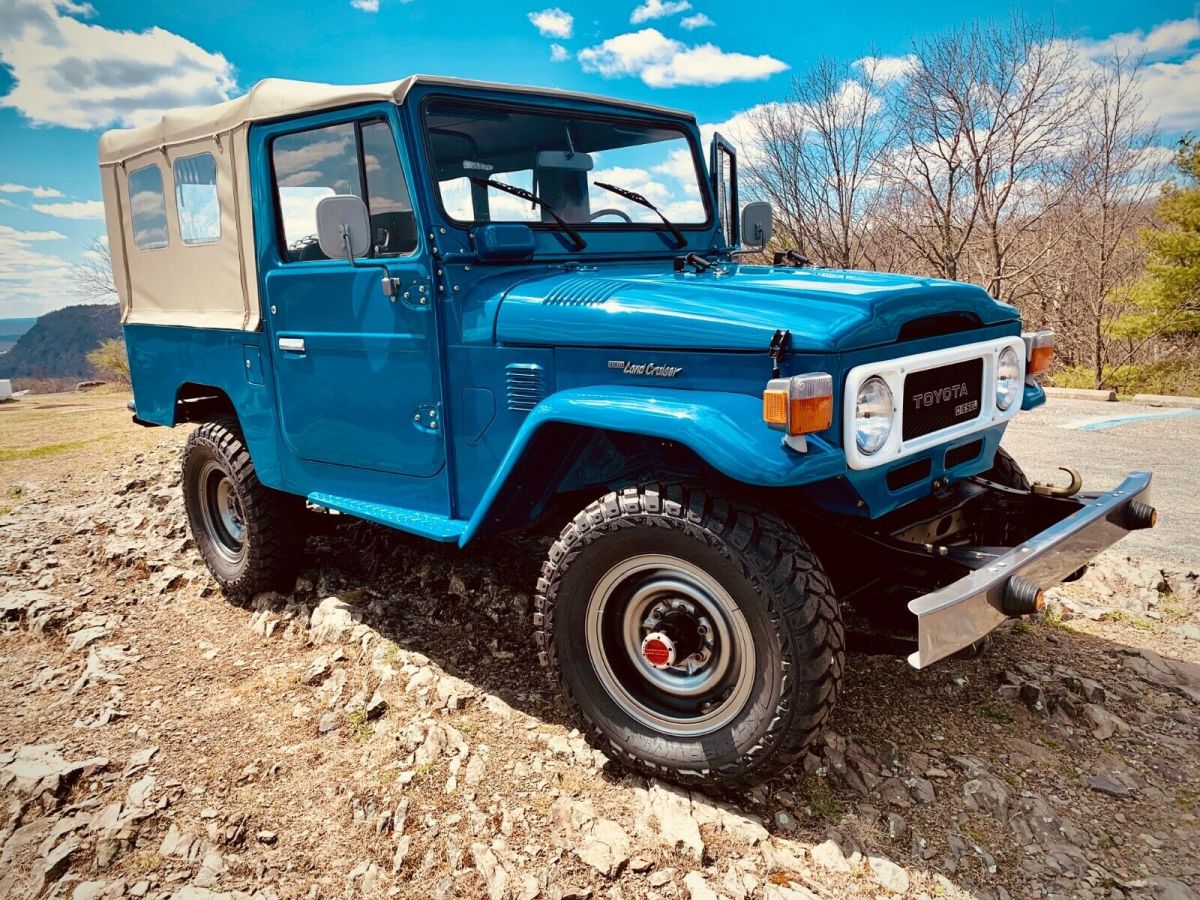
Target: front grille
point(938, 398)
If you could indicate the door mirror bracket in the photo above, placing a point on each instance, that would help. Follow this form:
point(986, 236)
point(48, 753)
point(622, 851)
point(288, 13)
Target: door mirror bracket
point(344, 232)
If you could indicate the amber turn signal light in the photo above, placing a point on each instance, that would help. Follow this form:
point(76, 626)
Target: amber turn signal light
point(802, 404)
point(1039, 352)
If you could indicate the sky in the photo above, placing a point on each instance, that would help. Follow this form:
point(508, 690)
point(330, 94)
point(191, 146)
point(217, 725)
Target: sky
point(71, 69)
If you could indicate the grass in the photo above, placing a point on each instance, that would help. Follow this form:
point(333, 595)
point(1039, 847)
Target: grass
point(995, 711)
point(1120, 616)
point(822, 802)
point(357, 721)
point(1022, 627)
point(46, 449)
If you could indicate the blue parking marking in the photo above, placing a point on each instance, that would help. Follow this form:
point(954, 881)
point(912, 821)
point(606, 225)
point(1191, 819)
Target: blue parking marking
point(1118, 421)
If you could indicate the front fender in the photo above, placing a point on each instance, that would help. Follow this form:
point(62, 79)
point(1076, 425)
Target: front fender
point(725, 430)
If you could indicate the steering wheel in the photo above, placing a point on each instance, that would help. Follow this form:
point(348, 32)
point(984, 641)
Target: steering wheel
point(610, 211)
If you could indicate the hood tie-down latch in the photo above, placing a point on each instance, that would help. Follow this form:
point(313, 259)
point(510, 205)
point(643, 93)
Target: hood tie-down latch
point(695, 260)
point(781, 343)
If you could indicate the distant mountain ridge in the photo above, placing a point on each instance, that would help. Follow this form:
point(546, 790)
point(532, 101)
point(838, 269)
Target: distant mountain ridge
point(12, 329)
point(58, 344)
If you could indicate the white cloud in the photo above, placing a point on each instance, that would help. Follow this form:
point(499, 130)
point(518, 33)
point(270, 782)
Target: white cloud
point(658, 9)
point(78, 209)
point(1170, 91)
point(367, 6)
point(553, 22)
point(558, 53)
point(70, 73)
point(38, 191)
point(29, 279)
point(4, 201)
point(1166, 37)
point(664, 62)
point(886, 68)
point(26, 237)
point(699, 20)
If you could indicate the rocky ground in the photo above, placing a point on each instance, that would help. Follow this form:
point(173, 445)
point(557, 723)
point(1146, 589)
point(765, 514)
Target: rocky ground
point(384, 730)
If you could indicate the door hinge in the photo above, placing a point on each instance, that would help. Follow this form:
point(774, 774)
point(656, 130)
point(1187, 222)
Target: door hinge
point(428, 417)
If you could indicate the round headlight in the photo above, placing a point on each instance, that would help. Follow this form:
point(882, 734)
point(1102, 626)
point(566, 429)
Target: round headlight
point(1008, 378)
point(872, 415)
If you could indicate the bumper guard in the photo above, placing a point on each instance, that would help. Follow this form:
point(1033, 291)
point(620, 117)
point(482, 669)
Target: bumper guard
point(964, 611)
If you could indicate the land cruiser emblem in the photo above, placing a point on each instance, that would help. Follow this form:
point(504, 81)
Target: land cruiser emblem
point(941, 395)
point(646, 368)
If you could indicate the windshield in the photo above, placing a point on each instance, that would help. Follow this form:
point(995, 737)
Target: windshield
point(562, 158)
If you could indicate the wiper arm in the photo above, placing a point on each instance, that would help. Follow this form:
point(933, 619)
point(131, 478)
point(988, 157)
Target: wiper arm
point(680, 240)
point(575, 236)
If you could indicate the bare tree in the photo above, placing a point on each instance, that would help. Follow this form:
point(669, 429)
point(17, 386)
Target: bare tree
point(817, 158)
point(1114, 175)
point(94, 276)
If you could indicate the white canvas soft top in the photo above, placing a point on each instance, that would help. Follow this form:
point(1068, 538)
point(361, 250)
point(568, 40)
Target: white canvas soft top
point(273, 98)
point(214, 284)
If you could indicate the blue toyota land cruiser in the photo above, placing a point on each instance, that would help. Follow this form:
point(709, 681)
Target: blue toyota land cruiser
point(457, 308)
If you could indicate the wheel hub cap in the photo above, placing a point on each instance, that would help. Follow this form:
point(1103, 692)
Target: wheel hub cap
point(658, 649)
point(670, 645)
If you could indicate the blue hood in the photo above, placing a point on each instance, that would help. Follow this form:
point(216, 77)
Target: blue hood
point(738, 309)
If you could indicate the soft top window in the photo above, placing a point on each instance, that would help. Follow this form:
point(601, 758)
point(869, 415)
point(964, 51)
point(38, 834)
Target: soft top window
point(196, 199)
point(148, 208)
point(563, 157)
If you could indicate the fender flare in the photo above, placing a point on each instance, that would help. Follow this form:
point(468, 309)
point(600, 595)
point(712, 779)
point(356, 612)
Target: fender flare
point(725, 430)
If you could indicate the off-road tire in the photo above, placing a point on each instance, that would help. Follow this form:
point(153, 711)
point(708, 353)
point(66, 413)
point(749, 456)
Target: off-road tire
point(273, 521)
point(1006, 471)
point(779, 586)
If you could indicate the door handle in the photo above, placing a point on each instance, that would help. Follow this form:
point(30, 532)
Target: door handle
point(291, 345)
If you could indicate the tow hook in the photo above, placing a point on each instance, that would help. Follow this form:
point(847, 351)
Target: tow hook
point(1046, 489)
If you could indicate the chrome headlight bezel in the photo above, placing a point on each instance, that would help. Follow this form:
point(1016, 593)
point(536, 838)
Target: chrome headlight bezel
point(873, 426)
point(1009, 379)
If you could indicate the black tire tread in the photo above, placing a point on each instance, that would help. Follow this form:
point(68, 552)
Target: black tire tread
point(273, 518)
point(789, 581)
point(1007, 471)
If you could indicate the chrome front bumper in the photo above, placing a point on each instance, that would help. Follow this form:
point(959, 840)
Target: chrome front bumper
point(962, 612)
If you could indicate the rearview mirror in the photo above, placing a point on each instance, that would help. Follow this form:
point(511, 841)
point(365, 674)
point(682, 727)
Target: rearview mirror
point(757, 224)
point(564, 160)
point(343, 227)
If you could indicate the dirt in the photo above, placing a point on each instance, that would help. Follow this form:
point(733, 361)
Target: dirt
point(384, 729)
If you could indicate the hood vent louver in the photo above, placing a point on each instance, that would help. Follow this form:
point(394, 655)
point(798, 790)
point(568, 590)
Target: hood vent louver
point(526, 386)
point(582, 292)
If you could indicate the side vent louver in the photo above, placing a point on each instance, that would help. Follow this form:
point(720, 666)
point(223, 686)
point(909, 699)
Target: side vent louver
point(526, 386)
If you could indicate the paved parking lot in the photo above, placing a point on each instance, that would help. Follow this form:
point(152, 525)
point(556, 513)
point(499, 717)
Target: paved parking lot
point(1104, 441)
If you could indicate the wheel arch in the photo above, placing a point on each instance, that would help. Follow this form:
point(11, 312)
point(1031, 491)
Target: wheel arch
point(657, 433)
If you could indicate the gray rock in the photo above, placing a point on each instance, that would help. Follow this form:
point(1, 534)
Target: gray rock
point(697, 887)
point(316, 671)
point(888, 875)
point(1105, 785)
point(328, 722)
point(671, 809)
point(828, 855)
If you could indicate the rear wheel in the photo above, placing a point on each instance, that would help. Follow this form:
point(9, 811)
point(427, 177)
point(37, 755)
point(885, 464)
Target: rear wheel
point(698, 638)
point(251, 537)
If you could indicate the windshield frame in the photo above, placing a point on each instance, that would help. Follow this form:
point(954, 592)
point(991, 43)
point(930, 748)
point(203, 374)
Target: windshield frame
point(529, 104)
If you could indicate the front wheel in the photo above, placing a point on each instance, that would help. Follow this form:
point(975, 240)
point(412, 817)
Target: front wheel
point(249, 535)
point(698, 638)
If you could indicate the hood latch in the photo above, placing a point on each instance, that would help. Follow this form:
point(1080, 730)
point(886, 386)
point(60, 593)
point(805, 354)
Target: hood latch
point(781, 343)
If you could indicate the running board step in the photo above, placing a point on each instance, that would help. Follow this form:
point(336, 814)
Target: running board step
point(428, 525)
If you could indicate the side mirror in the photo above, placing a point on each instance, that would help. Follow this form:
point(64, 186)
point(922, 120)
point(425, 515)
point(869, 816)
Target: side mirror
point(758, 221)
point(343, 227)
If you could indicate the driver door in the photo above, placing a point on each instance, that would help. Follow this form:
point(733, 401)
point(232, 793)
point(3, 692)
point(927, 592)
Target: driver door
point(357, 372)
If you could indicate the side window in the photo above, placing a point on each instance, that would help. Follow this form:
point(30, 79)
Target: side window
point(148, 208)
point(393, 225)
point(310, 166)
point(196, 199)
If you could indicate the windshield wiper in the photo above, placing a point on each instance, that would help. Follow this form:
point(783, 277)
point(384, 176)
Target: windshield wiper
point(680, 240)
point(575, 236)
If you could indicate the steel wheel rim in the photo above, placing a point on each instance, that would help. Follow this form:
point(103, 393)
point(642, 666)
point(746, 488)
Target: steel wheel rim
point(680, 699)
point(222, 512)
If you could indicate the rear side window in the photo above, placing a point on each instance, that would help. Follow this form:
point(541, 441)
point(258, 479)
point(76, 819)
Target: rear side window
point(148, 208)
point(311, 165)
point(196, 199)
